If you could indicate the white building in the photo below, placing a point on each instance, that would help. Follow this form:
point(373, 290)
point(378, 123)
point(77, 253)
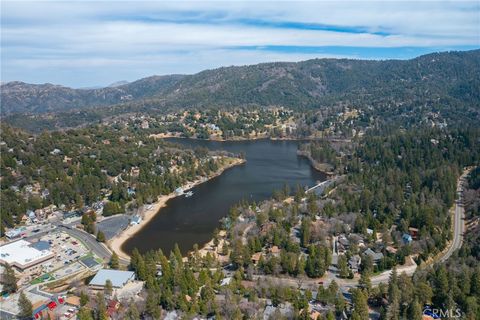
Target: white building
point(136, 220)
point(118, 278)
point(23, 256)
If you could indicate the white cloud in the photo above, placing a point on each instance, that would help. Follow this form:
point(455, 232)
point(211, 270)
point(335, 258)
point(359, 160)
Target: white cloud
point(106, 41)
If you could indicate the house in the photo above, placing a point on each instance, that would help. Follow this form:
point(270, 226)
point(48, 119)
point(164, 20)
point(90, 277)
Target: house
point(344, 241)
point(45, 193)
point(354, 263)
point(15, 233)
point(361, 243)
point(112, 307)
point(413, 232)
point(376, 256)
point(275, 250)
point(315, 315)
point(256, 257)
point(391, 250)
point(135, 171)
point(55, 152)
point(73, 301)
point(406, 238)
point(226, 281)
point(248, 284)
point(31, 215)
point(130, 191)
point(136, 220)
point(118, 278)
point(285, 310)
point(342, 244)
point(144, 124)
point(71, 214)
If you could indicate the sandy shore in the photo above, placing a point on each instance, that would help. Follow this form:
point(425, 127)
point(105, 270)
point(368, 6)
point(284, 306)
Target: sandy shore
point(116, 242)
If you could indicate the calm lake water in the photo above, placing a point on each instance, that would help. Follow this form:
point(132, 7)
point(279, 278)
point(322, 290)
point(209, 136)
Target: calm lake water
point(186, 221)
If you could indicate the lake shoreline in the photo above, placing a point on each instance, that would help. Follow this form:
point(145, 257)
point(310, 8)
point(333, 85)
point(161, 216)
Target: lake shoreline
point(117, 242)
point(236, 139)
point(324, 168)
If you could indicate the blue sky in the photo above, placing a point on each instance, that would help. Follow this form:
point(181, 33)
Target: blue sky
point(92, 43)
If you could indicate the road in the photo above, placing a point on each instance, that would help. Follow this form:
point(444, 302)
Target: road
point(458, 230)
point(458, 220)
point(91, 242)
point(96, 247)
point(345, 284)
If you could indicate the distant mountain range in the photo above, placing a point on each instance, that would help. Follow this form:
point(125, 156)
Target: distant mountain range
point(449, 78)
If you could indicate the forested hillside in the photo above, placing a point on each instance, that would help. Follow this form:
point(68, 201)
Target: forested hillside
point(79, 167)
point(451, 288)
point(440, 79)
point(19, 97)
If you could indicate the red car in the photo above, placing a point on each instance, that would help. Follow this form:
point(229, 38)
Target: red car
point(52, 305)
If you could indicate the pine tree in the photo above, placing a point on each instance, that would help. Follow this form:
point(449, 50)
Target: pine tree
point(84, 314)
point(393, 310)
point(343, 266)
point(9, 279)
point(330, 315)
point(360, 305)
point(305, 232)
point(100, 236)
point(114, 261)
point(101, 311)
point(132, 311)
point(415, 311)
point(84, 298)
point(152, 307)
point(25, 306)
point(108, 287)
point(365, 281)
point(134, 258)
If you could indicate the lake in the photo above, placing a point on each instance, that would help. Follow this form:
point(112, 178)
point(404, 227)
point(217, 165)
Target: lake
point(186, 221)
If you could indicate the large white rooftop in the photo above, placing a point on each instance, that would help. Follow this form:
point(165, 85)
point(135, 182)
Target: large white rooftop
point(21, 253)
point(117, 277)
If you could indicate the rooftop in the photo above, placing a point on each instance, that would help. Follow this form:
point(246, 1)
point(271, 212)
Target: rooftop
point(375, 255)
point(41, 245)
point(22, 253)
point(119, 278)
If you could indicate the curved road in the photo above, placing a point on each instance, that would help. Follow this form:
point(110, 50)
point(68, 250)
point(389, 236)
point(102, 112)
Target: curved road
point(458, 219)
point(99, 249)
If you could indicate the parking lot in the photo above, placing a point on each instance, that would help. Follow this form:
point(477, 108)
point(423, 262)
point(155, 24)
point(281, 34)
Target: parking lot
point(66, 251)
point(65, 248)
point(112, 226)
point(69, 270)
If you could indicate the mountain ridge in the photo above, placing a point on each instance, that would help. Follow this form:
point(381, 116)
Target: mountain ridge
point(450, 76)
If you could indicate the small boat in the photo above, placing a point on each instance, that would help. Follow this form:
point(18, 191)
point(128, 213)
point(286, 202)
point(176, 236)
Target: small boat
point(188, 194)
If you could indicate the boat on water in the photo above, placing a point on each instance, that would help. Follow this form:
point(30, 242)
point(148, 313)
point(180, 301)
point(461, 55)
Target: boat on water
point(188, 194)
